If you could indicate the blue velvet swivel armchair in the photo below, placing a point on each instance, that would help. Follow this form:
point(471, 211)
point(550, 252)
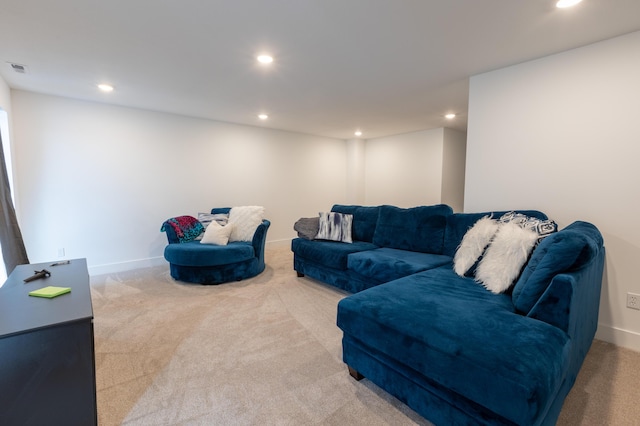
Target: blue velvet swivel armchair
point(194, 262)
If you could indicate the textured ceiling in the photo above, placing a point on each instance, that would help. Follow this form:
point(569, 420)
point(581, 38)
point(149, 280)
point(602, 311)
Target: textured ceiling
point(383, 66)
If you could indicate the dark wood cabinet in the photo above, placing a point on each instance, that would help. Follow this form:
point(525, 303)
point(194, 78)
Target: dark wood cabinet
point(47, 362)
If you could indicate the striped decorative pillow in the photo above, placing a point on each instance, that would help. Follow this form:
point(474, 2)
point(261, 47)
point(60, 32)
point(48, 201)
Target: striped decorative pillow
point(335, 227)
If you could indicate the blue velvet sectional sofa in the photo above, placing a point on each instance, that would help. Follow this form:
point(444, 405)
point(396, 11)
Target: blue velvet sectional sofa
point(443, 344)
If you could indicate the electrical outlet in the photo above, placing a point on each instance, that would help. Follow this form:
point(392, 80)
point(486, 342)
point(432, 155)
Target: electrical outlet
point(633, 301)
point(61, 252)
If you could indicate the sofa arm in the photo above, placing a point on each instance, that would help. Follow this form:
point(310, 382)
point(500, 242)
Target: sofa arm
point(554, 307)
point(260, 239)
point(572, 301)
point(172, 238)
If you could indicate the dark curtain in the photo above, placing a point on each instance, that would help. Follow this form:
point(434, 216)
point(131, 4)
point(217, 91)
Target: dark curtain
point(13, 250)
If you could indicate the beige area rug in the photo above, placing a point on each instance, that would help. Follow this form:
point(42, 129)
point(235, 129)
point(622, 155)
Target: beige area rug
point(266, 351)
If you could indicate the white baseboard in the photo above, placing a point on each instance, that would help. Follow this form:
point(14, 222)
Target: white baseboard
point(619, 337)
point(112, 268)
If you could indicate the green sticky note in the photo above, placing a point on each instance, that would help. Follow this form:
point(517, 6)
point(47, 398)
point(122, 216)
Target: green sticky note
point(50, 291)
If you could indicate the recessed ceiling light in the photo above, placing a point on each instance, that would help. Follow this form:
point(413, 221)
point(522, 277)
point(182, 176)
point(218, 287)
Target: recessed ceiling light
point(358, 133)
point(105, 87)
point(450, 116)
point(263, 116)
point(567, 3)
point(265, 59)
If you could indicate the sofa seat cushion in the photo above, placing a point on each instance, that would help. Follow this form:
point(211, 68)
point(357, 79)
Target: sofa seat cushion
point(195, 254)
point(387, 264)
point(454, 332)
point(332, 254)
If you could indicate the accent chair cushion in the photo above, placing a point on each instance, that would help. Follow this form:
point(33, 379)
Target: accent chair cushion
point(194, 253)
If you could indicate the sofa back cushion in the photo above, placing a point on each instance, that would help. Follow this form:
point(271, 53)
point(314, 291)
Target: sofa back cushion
point(418, 229)
point(220, 210)
point(364, 220)
point(459, 223)
point(566, 250)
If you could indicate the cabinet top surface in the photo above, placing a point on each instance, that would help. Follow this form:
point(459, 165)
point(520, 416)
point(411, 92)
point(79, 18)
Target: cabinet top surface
point(21, 313)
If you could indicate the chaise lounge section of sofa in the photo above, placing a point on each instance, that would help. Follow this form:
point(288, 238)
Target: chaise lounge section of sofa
point(442, 343)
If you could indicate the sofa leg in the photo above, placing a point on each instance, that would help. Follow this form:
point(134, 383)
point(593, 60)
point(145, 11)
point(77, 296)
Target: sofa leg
point(300, 274)
point(355, 374)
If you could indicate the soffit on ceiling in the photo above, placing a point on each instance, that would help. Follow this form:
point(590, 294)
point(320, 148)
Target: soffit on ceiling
point(384, 66)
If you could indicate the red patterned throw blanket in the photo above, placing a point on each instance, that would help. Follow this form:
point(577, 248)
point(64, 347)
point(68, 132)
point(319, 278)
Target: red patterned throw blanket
point(187, 228)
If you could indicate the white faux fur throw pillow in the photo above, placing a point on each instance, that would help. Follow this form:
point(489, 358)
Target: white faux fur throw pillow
point(245, 219)
point(473, 244)
point(217, 234)
point(504, 258)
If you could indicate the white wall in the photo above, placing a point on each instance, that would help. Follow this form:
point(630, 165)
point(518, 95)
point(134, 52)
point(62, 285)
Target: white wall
point(5, 124)
point(453, 168)
point(5, 117)
point(99, 180)
point(356, 171)
point(560, 134)
point(404, 170)
point(5, 95)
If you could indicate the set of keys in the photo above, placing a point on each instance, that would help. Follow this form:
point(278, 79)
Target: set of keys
point(44, 273)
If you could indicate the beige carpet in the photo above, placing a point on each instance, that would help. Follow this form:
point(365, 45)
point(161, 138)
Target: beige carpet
point(266, 351)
